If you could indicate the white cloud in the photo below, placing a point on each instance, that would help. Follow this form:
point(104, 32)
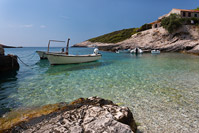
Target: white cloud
point(43, 26)
point(27, 26)
point(65, 17)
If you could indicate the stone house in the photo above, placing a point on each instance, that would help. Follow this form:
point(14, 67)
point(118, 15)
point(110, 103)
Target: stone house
point(184, 13)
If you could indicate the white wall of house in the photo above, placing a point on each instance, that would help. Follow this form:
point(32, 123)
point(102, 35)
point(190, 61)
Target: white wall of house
point(176, 11)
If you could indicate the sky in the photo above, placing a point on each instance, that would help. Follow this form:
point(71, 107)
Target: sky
point(31, 23)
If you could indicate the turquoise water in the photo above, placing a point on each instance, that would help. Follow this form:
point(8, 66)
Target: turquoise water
point(172, 78)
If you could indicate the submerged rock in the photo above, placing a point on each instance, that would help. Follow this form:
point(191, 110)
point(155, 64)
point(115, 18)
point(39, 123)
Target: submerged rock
point(83, 115)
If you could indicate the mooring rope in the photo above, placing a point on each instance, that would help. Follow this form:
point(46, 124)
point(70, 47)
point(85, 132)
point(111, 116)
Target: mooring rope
point(33, 54)
point(23, 62)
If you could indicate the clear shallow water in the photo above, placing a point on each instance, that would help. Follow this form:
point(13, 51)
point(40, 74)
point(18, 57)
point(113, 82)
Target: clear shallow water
point(169, 78)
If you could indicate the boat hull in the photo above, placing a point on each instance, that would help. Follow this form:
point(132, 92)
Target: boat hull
point(155, 51)
point(139, 51)
point(58, 59)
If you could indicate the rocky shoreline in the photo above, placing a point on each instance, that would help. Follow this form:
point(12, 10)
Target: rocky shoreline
point(92, 114)
point(186, 39)
point(7, 62)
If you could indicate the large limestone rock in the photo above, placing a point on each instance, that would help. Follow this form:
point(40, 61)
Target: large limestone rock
point(184, 39)
point(8, 63)
point(91, 115)
point(101, 46)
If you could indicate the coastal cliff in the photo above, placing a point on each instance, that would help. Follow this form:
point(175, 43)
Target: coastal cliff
point(185, 39)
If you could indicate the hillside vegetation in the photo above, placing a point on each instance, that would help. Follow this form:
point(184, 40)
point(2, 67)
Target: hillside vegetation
point(118, 36)
point(115, 36)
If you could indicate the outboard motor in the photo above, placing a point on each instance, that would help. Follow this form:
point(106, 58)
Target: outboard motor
point(136, 51)
point(96, 51)
point(62, 50)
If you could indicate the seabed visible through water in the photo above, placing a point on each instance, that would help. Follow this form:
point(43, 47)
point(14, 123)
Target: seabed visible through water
point(161, 90)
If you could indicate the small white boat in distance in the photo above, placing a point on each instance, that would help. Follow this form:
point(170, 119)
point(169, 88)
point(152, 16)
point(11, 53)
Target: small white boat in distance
point(60, 58)
point(117, 52)
point(136, 51)
point(155, 51)
point(124, 51)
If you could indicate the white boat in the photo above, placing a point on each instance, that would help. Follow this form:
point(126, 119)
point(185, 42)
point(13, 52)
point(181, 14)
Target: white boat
point(117, 52)
point(136, 51)
point(42, 54)
point(56, 58)
point(124, 51)
point(60, 58)
point(155, 51)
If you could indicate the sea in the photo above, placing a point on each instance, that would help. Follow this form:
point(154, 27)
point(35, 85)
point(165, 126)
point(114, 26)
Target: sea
point(129, 80)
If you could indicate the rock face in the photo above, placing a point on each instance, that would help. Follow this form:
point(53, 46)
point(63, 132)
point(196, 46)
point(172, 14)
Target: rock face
point(101, 46)
point(8, 63)
point(4, 46)
point(83, 115)
point(185, 39)
point(1, 50)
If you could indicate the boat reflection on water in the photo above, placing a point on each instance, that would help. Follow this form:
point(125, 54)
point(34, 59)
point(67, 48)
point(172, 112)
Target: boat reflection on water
point(54, 70)
point(43, 63)
point(136, 55)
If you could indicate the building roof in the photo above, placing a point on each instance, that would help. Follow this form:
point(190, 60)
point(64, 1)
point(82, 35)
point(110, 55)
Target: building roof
point(161, 17)
point(155, 22)
point(186, 10)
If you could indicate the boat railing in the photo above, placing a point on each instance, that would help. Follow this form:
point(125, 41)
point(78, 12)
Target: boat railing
point(53, 41)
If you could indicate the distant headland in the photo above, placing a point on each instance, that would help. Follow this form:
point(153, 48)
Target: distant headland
point(5, 46)
point(177, 31)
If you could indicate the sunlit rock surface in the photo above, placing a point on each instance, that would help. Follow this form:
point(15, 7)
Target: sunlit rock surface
point(184, 39)
point(83, 115)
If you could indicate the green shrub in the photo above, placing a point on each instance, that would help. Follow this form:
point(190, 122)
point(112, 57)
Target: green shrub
point(186, 21)
point(145, 27)
point(196, 20)
point(171, 23)
point(174, 21)
point(197, 9)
